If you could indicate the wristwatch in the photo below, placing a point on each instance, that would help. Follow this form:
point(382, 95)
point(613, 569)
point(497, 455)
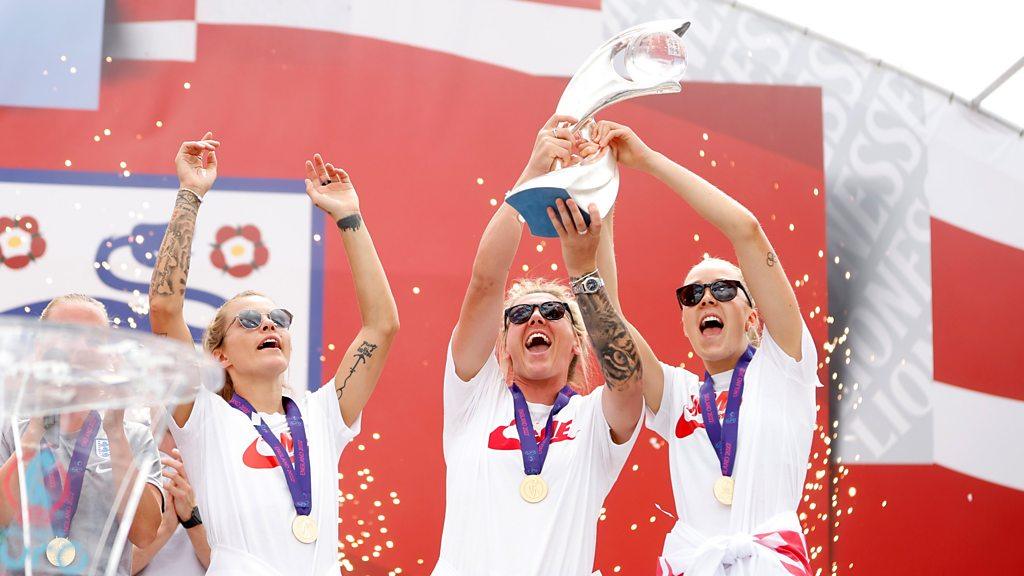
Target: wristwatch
point(193, 520)
point(589, 284)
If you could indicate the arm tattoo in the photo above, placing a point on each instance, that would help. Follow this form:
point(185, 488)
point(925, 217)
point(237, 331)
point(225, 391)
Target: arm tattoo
point(172, 262)
point(620, 359)
point(771, 259)
point(363, 353)
point(350, 223)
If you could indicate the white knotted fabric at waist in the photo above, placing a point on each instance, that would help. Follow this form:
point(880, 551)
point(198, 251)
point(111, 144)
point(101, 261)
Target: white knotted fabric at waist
point(690, 553)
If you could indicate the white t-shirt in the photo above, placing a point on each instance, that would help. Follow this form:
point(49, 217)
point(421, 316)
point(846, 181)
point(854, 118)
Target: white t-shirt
point(782, 392)
point(489, 530)
point(176, 558)
point(241, 491)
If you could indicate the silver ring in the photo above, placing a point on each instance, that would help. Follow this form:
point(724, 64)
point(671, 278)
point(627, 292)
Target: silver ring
point(554, 132)
point(583, 232)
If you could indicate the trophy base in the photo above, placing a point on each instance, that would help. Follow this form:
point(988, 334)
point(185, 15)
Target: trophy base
point(532, 205)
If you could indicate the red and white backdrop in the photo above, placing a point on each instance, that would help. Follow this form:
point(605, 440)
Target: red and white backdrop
point(432, 108)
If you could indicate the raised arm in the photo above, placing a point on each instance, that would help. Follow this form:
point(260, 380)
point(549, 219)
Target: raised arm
point(616, 349)
point(331, 190)
point(196, 165)
point(654, 378)
point(776, 301)
point(480, 318)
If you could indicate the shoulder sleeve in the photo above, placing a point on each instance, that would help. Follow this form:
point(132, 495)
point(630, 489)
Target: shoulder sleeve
point(675, 396)
point(611, 456)
point(147, 457)
point(460, 395)
point(325, 401)
point(805, 371)
point(188, 437)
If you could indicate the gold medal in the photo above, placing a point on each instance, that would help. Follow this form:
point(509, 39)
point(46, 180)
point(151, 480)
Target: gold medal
point(60, 552)
point(304, 529)
point(724, 488)
point(533, 489)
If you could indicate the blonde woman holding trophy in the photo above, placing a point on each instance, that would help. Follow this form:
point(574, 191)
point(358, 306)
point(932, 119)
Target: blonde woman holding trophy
point(530, 455)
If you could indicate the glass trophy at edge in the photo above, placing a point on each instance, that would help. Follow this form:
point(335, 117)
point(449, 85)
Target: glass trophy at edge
point(654, 59)
point(52, 374)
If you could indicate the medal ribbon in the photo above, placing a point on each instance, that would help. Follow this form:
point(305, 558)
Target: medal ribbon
point(66, 498)
point(535, 453)
point(297, 476)
point(723, 435)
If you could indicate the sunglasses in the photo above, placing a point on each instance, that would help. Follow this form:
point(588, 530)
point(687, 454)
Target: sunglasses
point(550, 311)
point(251, 319)
point(722, 290)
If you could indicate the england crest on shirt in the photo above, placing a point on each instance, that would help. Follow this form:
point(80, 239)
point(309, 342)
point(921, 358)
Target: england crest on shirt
point(103, 448)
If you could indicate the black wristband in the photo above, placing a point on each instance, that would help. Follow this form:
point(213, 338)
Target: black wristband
point(193, 520)
point(350, 222)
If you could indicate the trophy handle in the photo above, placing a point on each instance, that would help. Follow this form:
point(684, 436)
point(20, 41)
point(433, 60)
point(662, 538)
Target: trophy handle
point(597, 84)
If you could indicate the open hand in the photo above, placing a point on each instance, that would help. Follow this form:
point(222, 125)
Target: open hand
point(330, 189)
point(196, 164)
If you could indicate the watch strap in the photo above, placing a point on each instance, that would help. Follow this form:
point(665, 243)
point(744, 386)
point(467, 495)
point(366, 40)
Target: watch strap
point(194, 520)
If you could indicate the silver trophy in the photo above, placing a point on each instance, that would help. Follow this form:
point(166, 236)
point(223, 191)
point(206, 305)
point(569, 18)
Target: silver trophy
point(55, 377)
point(654, 60)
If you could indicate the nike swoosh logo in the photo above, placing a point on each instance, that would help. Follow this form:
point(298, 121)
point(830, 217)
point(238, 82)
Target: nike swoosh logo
point(253, 459)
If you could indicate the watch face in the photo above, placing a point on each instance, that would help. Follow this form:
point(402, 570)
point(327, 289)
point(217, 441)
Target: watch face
point(591, 284)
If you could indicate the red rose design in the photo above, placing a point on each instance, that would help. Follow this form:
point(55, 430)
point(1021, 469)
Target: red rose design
point(239, 250)
point(21, 242)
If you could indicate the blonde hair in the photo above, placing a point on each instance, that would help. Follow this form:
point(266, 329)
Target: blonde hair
point(214, 336)
point(580, 367)
point(754, 332)
point(74, 298)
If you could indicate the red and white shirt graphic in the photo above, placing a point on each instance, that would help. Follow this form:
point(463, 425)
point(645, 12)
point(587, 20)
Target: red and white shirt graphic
point(507, 437)
point(488, 527)
point(259, 454)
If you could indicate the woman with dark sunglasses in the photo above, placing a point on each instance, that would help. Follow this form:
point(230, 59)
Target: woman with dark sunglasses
point(737, 475)
point(530, 454)
point(263, 457)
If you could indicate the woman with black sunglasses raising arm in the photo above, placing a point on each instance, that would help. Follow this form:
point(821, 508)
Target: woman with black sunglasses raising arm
point(269, 515)
point(530, 455)
point(737, 475)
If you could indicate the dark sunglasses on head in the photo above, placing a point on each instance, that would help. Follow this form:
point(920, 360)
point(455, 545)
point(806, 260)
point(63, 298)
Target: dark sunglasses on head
point(551, 311)
point(251, 319)
point(722, 290)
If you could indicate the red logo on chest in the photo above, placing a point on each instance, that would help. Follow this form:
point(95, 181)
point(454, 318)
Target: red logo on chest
point(259, 455)
point(507, 437)
point(691, 418)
